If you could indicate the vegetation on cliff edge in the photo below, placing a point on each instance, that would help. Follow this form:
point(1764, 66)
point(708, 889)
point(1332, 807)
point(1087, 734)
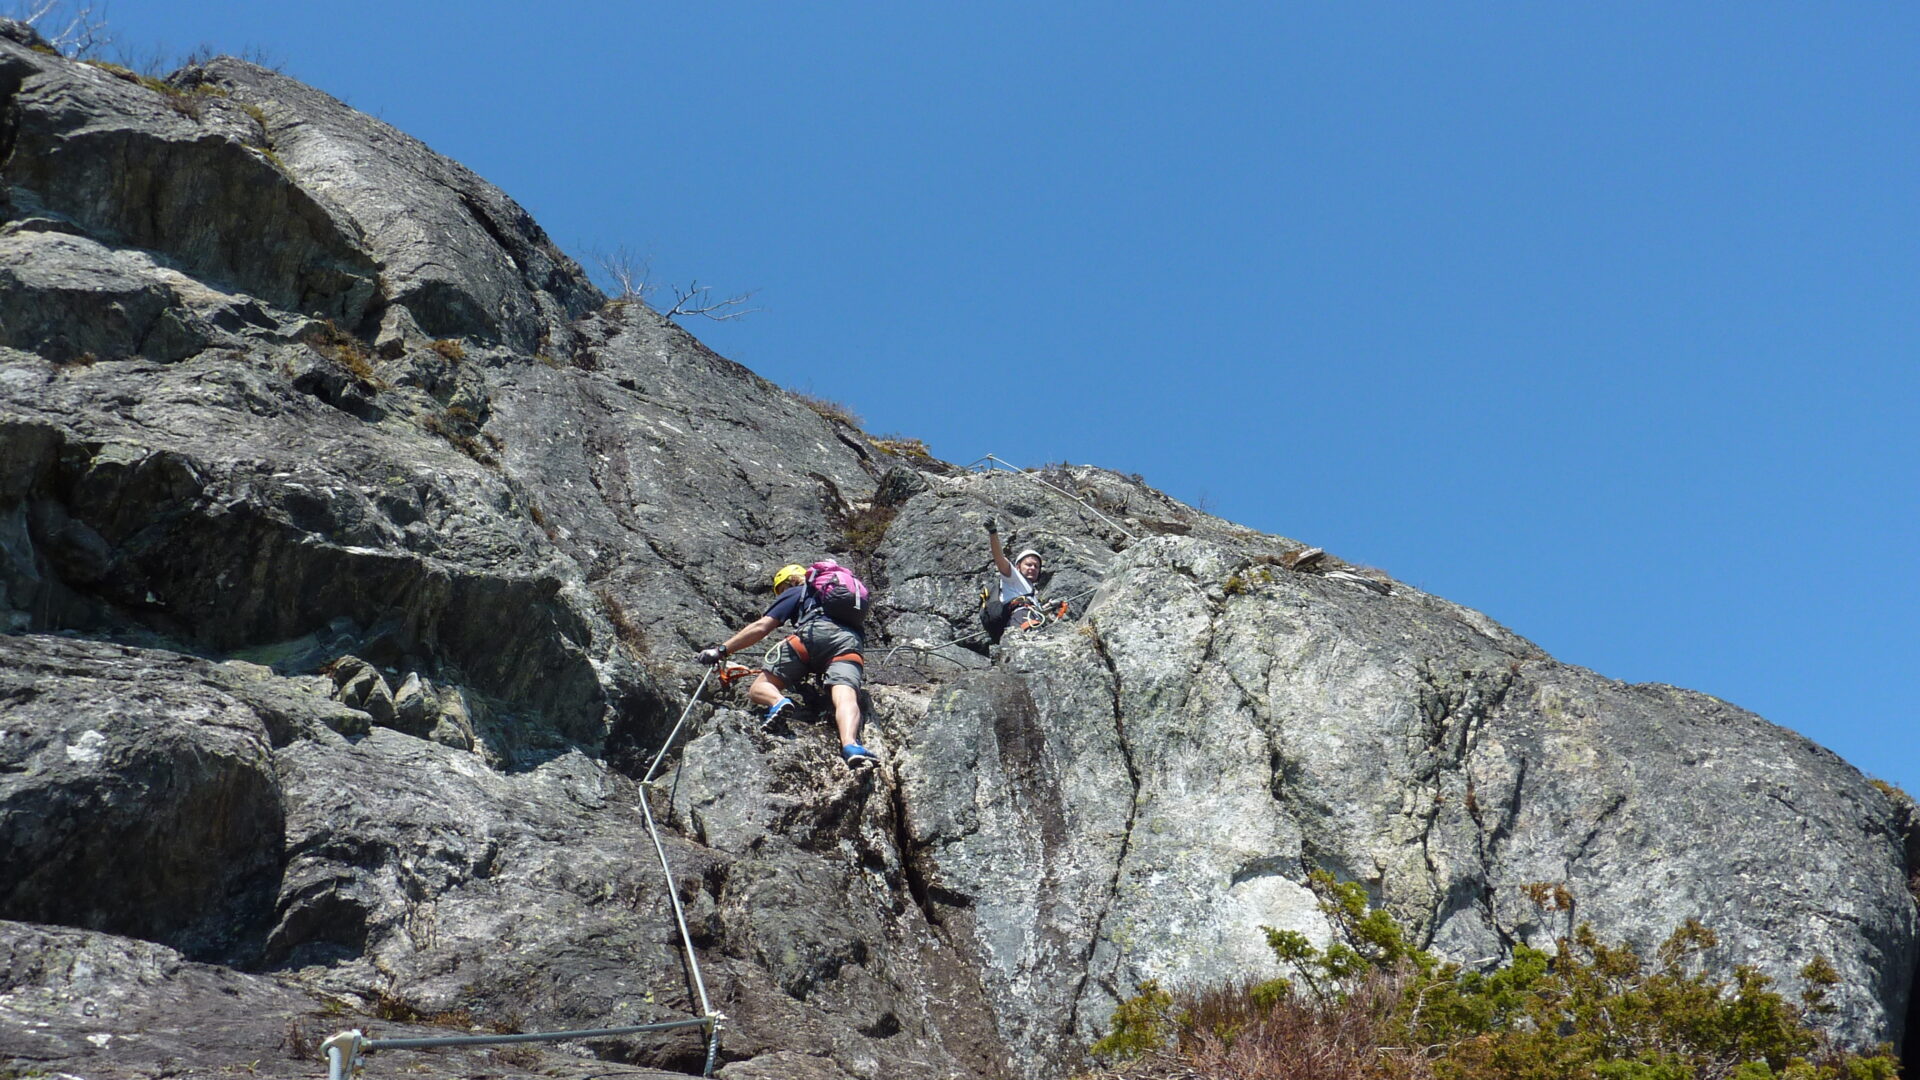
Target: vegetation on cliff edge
point(1370, 1006)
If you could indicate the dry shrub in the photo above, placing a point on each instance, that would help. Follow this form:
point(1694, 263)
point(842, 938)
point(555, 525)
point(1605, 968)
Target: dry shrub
point(1235, 1031)
point(867, 527)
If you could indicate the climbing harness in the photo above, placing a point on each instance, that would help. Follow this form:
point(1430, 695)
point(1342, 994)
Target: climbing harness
point(1045, 615)
point(345, 1052)
point(799, 648)
point(1035, 616)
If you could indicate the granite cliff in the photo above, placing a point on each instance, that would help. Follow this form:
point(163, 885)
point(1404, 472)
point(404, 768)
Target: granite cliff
point(353, 550)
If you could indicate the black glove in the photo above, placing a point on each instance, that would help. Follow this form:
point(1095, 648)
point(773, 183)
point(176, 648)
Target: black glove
point(711, 656)
point(992, 529)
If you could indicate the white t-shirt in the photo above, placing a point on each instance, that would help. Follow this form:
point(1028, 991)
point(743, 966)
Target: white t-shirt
point(1013, 586)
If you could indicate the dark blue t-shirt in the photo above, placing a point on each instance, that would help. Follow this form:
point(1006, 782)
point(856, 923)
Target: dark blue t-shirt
point(790, 607)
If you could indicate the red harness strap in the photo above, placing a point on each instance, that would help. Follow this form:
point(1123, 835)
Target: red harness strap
point(800, 650)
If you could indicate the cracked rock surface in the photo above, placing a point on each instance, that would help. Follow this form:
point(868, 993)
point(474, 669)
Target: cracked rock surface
point(1202, 751)
point(353, 550)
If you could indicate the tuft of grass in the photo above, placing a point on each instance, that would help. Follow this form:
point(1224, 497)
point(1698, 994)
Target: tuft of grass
point(831, 411)
point(391, 1007)
point(1549, 896)
point(1891, 791)
point(187, 101)
point(1241, 583)
point(517, 1057)
point(632, 637)
point(460, 427)
point(348, 351)
point(449, 348)
point(299, 1045)
point(118, 71)
point(395, 1009)
point(913, 450)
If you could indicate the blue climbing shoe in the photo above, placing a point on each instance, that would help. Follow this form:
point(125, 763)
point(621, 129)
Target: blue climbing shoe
point(774, 710)
point(858, 757)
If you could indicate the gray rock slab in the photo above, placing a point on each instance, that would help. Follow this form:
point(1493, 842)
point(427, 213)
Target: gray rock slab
point(70, 299)
point(460, 257)
point(78, 1003)
point(137, 796)
point(180, 173)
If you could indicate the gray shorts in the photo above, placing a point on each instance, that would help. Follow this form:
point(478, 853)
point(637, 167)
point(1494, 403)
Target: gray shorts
point(824, 647)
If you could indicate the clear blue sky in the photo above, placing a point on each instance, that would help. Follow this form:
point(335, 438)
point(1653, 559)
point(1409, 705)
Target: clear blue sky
point(1601, 318)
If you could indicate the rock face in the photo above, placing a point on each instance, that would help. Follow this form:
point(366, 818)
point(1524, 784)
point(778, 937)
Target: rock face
point(353, 550)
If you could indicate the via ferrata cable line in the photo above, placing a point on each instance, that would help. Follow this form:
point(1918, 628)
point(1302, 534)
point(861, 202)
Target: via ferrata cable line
point(673, 892)
point(345, 1051)
point(1033, 475)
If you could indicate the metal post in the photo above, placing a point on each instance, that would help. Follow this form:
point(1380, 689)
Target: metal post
point(343, 1054)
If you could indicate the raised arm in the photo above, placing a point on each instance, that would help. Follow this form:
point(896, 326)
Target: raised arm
point(1000, 562)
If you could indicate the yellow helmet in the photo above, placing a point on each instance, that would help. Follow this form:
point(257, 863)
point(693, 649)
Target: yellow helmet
point(790, 574)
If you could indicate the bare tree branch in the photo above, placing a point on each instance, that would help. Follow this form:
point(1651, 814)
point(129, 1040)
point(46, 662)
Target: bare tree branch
point(697, 299)
point(83, 35)
point(629, 279)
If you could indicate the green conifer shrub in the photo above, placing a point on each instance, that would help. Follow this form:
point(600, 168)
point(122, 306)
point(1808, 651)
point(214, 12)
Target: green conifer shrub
point(1369, 1005)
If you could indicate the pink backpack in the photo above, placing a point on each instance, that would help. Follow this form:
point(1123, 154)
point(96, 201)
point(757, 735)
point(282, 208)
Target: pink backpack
point(841, 595)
